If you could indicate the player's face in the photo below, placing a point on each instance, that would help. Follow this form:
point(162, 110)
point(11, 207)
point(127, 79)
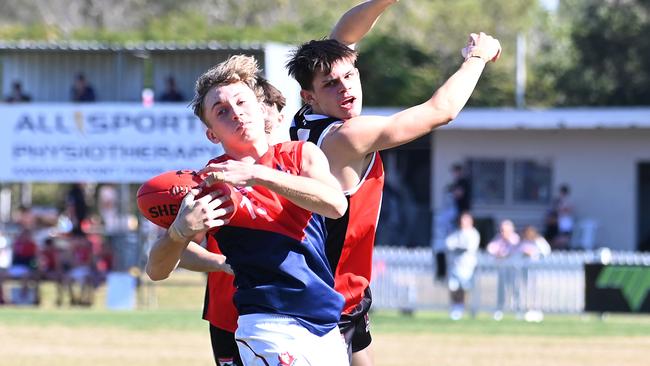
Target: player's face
point(234, 115)
point(272, 117)
point(337, 94)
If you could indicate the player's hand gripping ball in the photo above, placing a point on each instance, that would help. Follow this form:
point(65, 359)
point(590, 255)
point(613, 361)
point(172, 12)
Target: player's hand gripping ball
point(160, 197)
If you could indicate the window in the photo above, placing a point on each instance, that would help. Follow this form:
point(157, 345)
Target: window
point(502, 181)
point(531, 182)
point(488, 181)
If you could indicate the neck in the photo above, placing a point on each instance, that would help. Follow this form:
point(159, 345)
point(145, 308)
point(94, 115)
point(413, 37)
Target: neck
point(251, 152)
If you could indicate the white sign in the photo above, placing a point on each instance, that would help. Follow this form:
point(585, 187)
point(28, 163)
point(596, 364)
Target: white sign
point(120, 143)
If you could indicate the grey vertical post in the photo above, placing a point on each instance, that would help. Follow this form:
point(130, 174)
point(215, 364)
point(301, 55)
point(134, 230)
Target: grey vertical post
point(520, 73)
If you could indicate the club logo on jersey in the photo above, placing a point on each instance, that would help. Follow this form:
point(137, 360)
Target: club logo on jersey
point(286, 359)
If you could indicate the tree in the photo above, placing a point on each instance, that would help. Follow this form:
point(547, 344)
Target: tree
point(612, 54)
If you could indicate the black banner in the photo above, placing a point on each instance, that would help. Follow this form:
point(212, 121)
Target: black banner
point(617, 288)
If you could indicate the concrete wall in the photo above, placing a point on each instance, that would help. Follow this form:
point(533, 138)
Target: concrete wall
point(600, 165)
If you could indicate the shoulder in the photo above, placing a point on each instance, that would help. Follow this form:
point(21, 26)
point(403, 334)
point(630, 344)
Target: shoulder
point(288, 146)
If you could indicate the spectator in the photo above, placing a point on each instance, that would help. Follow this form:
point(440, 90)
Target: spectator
point(462, 247)
point(76, 207)
point(107, 205)
point(24, 263)
point(80, 278)
point(5, 261)
point(81, 90)
point(171, 94)
point(559, 220)
point(505, 243)
point(533, 245)
point(17, 95)
point(50, 267)
point(502, 247)
point(461, 190)
point(445, 223)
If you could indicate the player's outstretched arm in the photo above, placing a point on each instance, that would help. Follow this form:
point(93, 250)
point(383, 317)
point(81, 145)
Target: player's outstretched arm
point(315, 189)
point(198, 259)
point(362, 135)
point(195, 217)
point(358, 21)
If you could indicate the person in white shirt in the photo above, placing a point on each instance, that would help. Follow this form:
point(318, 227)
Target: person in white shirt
point(462, 247)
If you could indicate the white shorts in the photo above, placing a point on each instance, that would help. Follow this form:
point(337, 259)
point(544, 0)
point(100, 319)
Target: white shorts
point(276, 340)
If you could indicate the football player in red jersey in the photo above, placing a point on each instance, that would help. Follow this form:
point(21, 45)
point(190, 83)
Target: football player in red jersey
point(218, 307)
point(331, 90)
point(273, 243)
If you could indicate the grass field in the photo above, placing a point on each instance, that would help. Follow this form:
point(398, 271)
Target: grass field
point(174, 334)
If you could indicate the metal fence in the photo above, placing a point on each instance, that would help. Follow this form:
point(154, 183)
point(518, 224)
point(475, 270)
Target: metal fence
point(405, 279)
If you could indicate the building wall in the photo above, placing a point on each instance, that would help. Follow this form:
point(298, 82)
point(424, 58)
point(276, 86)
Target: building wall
point(187, 66)
point(48, 75)
point(600, 165)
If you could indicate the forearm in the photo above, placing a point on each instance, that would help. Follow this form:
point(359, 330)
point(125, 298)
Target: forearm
point(308, 193)
point(358, 21)
point(164, 256)
point(198, 259)
point(452, 96)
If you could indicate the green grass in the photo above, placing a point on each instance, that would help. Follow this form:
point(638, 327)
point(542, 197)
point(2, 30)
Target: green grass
point(589, 325)
point(177, 320)
point(179, 301)
point(382, 322)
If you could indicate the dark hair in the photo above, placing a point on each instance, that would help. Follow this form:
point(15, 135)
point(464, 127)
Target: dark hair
point(565, 189)
point(272, 96)
point(317, 56)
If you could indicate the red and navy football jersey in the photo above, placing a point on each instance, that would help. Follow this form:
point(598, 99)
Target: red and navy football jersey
point(277, 251)
point(351, 238)
point(218, 307)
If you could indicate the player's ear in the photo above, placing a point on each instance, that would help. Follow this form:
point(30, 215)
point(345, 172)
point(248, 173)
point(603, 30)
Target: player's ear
point(212, 137)
point(307, 96)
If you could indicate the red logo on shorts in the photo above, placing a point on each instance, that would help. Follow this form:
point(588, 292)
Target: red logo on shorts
point(286, 359)
point(226, 361)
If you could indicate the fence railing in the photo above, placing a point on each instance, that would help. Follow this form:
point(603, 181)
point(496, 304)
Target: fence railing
point(404, 278)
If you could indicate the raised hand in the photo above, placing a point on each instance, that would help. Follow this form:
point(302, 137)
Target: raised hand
point(197, 215)
point(483, 46)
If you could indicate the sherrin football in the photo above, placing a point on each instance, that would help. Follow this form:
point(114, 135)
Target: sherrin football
point(160, 197)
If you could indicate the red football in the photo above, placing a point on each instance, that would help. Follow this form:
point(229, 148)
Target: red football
point(160, 197)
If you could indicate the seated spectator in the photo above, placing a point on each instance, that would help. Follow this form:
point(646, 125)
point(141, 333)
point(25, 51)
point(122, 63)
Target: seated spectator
point(24, 266)
point(50, 266)
point(81, 90)
point(462, 247)
point(80, 277)
point(171, 93)
point(17, 95)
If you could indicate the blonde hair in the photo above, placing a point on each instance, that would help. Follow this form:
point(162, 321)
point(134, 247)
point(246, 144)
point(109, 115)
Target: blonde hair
point(238, 68)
